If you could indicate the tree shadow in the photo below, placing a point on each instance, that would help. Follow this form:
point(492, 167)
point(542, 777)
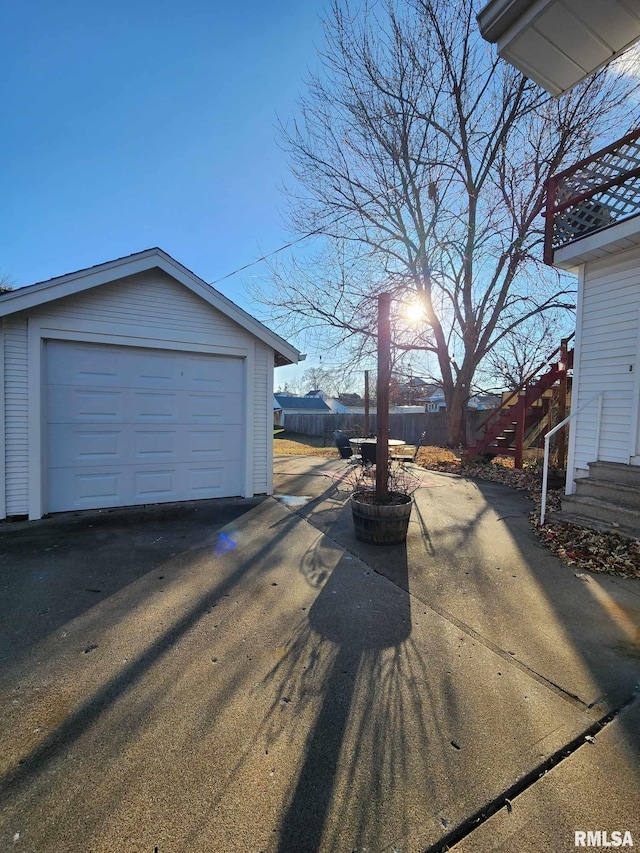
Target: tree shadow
point(353, 657)
point(33, 765)
point(576, 631)
point(55, 570)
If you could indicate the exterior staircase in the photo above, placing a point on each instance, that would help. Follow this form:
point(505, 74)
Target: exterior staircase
point(519, 417)
point(609, 498)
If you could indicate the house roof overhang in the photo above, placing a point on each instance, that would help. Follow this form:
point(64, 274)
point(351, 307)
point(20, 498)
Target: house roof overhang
point(599, 245)
point(558, 43)
point(25, 298)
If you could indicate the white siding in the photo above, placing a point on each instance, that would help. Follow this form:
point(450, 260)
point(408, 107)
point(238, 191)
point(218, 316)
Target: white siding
point(148, 306)
point(263, 431)
point(16, 416)
point(607, 359)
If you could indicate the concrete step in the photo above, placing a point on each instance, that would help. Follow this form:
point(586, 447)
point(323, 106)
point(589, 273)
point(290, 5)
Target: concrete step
point(615, 516)
point(615, 472)
point(620, 494)
point(592, 523)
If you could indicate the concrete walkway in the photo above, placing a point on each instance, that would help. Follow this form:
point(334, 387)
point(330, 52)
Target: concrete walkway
point(246, 676)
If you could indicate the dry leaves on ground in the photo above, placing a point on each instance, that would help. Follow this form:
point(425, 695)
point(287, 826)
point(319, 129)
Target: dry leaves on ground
point(611, 552)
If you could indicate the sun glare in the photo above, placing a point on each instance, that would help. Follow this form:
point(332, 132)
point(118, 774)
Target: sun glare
point(414, 311)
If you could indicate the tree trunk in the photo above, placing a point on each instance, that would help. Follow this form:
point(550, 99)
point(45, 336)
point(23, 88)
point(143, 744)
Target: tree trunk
point(457, 416)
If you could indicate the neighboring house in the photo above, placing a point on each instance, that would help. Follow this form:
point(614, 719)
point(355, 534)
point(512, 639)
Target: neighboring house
point(335, 405)
point(301, 406)
point(277, 413)
point(132, 382)
point(436, 402)
point(480, 402)
point(413, 391)
point(350, 400)
point(484, 402)
point(592, 228)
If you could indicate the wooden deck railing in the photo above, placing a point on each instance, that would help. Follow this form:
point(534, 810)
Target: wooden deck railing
point(593, 194)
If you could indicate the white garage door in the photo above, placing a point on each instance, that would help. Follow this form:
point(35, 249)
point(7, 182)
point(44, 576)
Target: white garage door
point(131, 425)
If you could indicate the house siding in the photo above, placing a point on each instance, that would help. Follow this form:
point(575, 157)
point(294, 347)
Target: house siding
point(16, 416)
point(146, 306)
point(607, 359)
point(263, 429)
point(151, 304)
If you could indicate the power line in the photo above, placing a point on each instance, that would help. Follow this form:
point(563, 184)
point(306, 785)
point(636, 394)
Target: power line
point(320, 230)
point(277, 251)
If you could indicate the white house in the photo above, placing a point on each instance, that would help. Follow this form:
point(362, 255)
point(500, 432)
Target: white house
point(606, 382)
point(132, 382)
point(592, 228)
point(558, 43)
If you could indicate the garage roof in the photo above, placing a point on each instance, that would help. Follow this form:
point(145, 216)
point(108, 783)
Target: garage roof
point(25, 298)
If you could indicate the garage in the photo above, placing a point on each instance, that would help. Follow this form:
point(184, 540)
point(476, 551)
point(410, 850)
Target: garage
point(132, 382)
point(127, 425)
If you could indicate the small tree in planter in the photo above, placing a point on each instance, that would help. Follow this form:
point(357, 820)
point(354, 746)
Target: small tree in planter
point(381, 517)
point(384, 522)
point(374, 522)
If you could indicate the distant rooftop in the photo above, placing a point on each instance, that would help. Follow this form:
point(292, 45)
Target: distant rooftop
point(306, 403)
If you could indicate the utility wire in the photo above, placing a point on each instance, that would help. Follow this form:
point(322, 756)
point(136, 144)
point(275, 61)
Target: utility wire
point(317, 230)
point(277, 251)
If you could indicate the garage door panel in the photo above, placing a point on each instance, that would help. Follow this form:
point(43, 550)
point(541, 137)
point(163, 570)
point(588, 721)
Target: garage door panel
point(81, 364)
point(211, 481)
point(96, 487)
point(211, 408)
point(155, 485)
point(67, 404)
point(70, 445)
point(158, 406)
point(155, 445)
point(83, 446)
point(119, 443)
point(71, 405)
point(226, 379)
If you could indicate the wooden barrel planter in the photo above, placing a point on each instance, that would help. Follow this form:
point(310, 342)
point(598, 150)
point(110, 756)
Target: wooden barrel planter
point(381, 524)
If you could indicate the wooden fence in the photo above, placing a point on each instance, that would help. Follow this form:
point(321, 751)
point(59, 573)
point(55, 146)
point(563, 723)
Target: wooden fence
point(408, 427)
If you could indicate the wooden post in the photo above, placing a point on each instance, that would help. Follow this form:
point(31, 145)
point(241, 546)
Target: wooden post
point(384, 378)
point(521, 409)
point(366, 402)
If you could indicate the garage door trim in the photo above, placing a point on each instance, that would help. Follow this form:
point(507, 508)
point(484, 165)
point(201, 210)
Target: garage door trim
point(39, 333)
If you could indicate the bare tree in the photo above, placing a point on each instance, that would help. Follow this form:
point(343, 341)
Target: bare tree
point(5, 284)
point(419, 159)
point(522, 353)
point(294, 388)
point(316, 379)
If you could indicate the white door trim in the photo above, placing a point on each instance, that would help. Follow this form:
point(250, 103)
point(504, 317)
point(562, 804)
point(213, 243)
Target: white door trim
point(570, 483)
point(634, 437)
point(38, 332)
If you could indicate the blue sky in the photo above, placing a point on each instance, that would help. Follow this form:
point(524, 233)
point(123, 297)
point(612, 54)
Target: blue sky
point(134, 124)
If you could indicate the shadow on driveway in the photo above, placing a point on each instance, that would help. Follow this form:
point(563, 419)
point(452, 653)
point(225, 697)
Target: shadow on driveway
point(53, 570)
